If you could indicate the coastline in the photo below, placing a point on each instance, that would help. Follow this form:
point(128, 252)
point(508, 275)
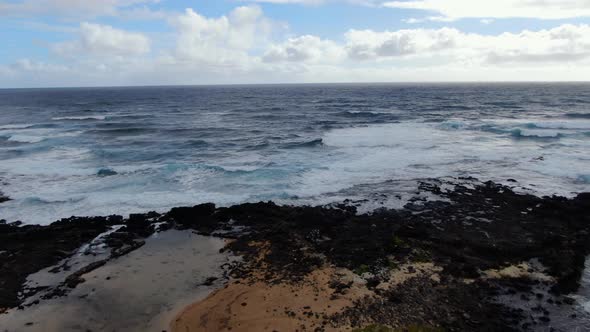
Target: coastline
point(473, 261)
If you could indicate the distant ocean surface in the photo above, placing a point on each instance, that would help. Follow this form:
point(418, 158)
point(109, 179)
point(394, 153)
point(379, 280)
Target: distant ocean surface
point(100, 151)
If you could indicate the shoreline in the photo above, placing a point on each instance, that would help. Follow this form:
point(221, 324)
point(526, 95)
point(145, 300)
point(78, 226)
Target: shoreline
point(475, 260)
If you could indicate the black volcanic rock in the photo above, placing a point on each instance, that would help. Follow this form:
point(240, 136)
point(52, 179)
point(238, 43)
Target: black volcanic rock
point(584, 197)
point(106, 172)
point(28, 249)
point(3, 198)
point(198, 217)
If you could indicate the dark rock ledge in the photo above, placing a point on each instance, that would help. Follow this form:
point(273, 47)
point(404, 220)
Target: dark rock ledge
point(481, 228)
point(3, 198)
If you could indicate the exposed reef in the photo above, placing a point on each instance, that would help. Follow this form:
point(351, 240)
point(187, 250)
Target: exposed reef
point(444, 264)
point(3, 198)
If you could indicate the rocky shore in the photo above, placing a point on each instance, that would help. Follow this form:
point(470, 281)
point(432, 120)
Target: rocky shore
point(481, 257)
point(3, 198)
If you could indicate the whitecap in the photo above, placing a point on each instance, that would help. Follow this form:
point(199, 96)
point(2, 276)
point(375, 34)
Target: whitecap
point(412, 150)
point(85, 117)
point(351, 157)
point(452, 125)
point(26, 138)
point(532, 134)
point(39, 135)
point(540, 123)
point(15, 126)
point(565, 124)
point(46, 164)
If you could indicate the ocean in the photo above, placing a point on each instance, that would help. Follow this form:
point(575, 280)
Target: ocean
point(102, 151)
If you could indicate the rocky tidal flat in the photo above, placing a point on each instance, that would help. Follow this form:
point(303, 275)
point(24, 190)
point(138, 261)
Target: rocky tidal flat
point(481, 257)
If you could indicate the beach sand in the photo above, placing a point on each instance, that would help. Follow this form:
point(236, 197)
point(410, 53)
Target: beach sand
point(254, 305)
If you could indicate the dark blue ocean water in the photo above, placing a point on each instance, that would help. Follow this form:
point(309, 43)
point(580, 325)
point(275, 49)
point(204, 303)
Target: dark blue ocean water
point(119, 150)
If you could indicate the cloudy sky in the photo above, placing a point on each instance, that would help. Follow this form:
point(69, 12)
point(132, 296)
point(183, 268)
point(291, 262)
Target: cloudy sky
point(163, 42)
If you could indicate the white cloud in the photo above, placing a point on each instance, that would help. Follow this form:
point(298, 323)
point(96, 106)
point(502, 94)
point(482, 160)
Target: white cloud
point(243, 46)
point(413, 20)
point(227, 39)
point(304, 49)
point(36, 66)
point(368, 44)
point(100, 40)
point(312, 2)
point(456, 9)
point(304, 2)
point(562, 44)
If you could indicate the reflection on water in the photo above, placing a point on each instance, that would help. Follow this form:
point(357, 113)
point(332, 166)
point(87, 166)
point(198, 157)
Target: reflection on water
point(138, 292)
point(583, 296)
point(553, 313)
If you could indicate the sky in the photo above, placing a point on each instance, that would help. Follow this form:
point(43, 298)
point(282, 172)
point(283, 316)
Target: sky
point(57, 43)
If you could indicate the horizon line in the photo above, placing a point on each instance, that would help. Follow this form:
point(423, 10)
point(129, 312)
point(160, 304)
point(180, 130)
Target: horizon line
point(287, 84)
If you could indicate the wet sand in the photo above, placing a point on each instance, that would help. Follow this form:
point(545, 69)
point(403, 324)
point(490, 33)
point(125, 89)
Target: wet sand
point(141, 291)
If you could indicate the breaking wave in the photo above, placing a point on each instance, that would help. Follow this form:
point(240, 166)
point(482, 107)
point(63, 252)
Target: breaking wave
point(308, 144)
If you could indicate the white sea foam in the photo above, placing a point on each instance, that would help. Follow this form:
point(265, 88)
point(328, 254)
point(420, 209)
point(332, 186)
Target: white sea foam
point(36, 135)
point(532, 133)
point(88, 200)
point(352, 163)
point(57, 162)
point(414, 150)
point(543, 123)
point(25, 138)
point(535, 127)
point(60, 184)
point(84, 117)
point(15, 126)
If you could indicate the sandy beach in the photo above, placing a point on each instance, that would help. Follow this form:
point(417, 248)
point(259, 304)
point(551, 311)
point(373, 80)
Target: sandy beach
point(254, 305)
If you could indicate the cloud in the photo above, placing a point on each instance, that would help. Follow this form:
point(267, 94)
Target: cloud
point(419, 48)
point(413, 20)
point(368, 44)
point(227, 39)
point(370, 3)
point(303, 2)
point(457, 9)
point(304, 49)
point(520, 58)
point(100, 40)
point(36, 66)
point(245, 46)
point(564, 43)
point(69, 8)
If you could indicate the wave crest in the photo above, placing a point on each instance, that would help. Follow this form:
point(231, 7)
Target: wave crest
point(308, 144)
point(79, 118)
point(526, 134)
